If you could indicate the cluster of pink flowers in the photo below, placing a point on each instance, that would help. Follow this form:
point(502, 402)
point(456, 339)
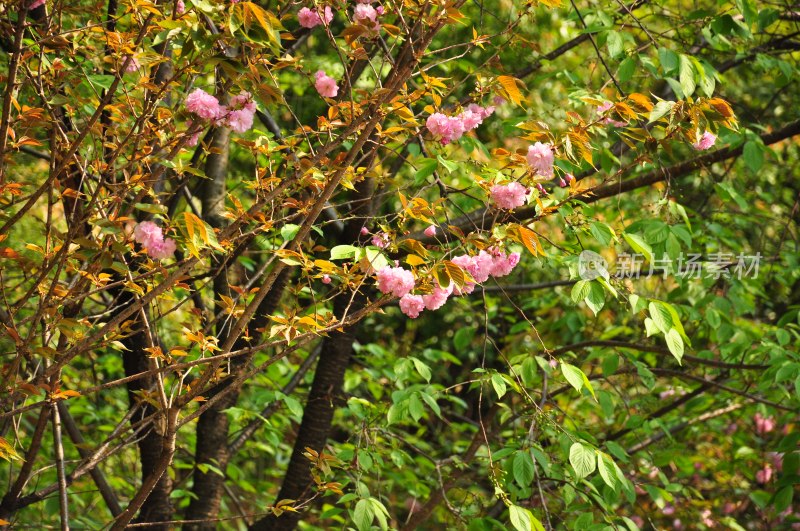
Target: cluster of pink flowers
point(240, 112)
point(605, 107)
point(395, 280)
point(706, 141)
point(494, 263)
point(238, 115)
point(326, 85)
point(150, 236)
point(180, 8)
point(412, 305)
point(541, 158)
point(367, 15)
point(311, 18)
point(509, 196)
point(400, 282)
point(451, 128)
point(764, 425)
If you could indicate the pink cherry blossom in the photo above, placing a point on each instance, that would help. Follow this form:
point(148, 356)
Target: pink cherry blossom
point(605, 107)
point(503, 264)
point(204, 105)
point(484, 112)
point(367, 15)
point(764, 475)
point(364, 231)
point(569, 177)
point(310, 18)
point(438, 297)
point(395, 280)
point(470, 120)
point(540, 158)
point(133, 65)
point(180, 8)
point(380, 10)
point(380, 240)
point(326, 279)
point(706, 141)
point(150, 236)
point(35, 3)
point(326, 85)
point(239, 115)
point(162, 249)
point(147, 232)
point(411, 305)
point(509, 196)
point(430, 232)
point(764, 425)
point(448, 128)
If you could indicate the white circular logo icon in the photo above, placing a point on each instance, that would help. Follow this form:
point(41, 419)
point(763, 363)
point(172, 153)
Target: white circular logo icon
point(591, 265)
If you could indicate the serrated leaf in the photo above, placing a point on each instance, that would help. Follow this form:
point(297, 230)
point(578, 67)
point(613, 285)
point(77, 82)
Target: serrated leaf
point(660, 110)
point(661, 316)
point(341, 252)
point(523, 520)
point(583, 460)
point(639, 245)
point(606, 468)
point(596, 298)
point(363, 515)
point(522, 468)
point(510, 87)
point(499, 385)
point(580, 290)
point(675, 343)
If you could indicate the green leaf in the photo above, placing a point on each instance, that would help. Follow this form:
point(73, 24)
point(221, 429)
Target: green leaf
point(675, 343)
point(686, 76)
point(661, 316)
point(449, 164)
point(523, 520)
point(102, 81)
point(596, 298)
point(783, 498)
point(341, 252)
point(463, 337)
point(499, 385)
point(576, 378)
point(573, 375)
point(583, 460)
point(660, 110)
point(363, 515)
point(669, 61)
point(626, 69)
point(639, 245)
point(614, 43)
point(523, 468)
point(580, 290)
point(607, 470)
point(602, 233)
point(426, 169)
point(753, 155)
point(289, 231)
point(422, 369)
